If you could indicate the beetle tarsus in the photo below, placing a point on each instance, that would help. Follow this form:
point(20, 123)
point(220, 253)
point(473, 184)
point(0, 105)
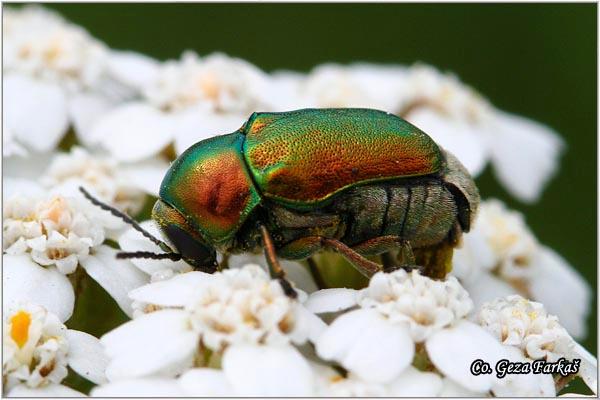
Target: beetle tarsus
point(287, 288)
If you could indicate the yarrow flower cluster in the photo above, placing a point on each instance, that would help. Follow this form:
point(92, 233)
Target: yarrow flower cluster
point(235, 319)
point(37, 349)
point(518, 322)
point(111, 122)
point(501, 256)
point(424, 304)
point(52, 230)
point(527, 326)
point(47, 236)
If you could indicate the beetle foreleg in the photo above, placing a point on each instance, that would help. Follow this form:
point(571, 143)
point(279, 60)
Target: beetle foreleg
point(274, 267)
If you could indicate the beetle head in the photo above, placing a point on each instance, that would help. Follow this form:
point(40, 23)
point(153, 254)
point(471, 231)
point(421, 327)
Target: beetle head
point(188, 242)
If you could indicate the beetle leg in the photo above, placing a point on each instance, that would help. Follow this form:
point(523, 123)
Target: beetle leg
point(315, 273)
point(406, 256)
point(224, 264)
point(274, 267)
point(367, 267)
point(382, 245)
point(306, 246)
point(388, 260)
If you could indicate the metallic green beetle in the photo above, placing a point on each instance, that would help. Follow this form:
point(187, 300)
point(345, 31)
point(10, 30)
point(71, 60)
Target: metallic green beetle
point(359, 181)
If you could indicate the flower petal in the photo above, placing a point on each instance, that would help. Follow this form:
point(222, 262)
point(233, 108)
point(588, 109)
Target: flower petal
point(132, 240)
point(175, 292)
point(146, 175)
point(525, 155)
point(23, 187)
point(296, 272)
point(27, 167)
point(25, 281)
point(368, 345)
point(205, 382)
point(588, 370)
point(459, 138)
point(414, 383)
point(453, 389)
point(561, 290)
point(117, 277)
point(487, 287)
point(166, 333)
point(133, 131)
point(331, 300)
point(524, 385)
point(453, 350)
point(308, 326)
point(194, 125)
point(132, 69)
point(85, 109)
point(86, 356)
point(148, 387)
point(35, 111)
point(267, 371)
point(51, 390)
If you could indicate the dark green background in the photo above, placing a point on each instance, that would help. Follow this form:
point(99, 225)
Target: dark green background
point(538, 60)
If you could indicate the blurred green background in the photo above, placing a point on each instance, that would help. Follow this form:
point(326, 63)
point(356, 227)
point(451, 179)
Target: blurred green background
point(538, 60)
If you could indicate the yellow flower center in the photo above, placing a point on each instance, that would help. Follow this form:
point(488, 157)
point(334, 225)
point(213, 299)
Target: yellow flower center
point(19, 330)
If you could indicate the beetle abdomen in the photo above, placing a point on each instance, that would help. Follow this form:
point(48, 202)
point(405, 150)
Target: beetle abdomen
point(421, 212)
point(302, 158)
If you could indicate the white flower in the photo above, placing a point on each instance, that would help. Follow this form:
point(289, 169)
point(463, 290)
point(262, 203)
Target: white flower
point(121, 185)
point(244, 306)
point(224, 84)
point(46, 60)
point(59, 73)
point(356, 85)
point(524, 153)
point(425, 305)
point(42, 44)
point(37, 348)
point(397, 310)
point(524, 385)
point(501, 256)
point(411, 383)
point(271, 377)
point(331, 384)
point(526, 325)
point(63, 233)
point(53, 230)
point(183, 101)
point(238, 316)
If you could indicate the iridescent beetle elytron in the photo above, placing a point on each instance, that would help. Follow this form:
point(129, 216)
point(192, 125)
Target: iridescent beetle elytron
point(361, 182)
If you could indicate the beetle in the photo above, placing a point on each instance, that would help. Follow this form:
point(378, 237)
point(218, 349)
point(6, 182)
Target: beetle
point(361, 182)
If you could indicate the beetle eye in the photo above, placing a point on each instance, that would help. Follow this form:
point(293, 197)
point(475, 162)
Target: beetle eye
point(194, 252)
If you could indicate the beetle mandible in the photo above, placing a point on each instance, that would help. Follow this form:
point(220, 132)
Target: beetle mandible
point(361, 182)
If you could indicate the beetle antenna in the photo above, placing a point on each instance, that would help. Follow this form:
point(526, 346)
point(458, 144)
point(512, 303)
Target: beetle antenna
point(127, 219)
point(149, 254)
